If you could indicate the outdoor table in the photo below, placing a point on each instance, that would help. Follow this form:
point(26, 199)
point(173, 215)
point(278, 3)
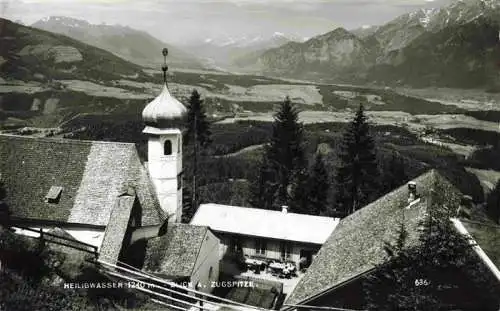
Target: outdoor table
point(252, 262)
point(290, 266)
point(277, 265)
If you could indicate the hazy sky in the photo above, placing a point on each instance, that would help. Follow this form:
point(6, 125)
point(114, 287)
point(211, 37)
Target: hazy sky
point(178, 21)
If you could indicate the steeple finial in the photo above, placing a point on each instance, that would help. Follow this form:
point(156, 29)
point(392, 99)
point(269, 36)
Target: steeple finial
point(164, 109)
point(164, 67)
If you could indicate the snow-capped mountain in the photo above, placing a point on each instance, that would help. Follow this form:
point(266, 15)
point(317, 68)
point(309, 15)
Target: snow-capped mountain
point(252, 42)
point(444, 46)
point(338, 52)
point(401, 31)
point(223, 51)
point(62, 21)
point(133, 45)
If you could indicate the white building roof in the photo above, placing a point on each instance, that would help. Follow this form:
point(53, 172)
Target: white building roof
point(265, 223)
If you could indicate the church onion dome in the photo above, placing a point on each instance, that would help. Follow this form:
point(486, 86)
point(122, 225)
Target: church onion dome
point(164, 110)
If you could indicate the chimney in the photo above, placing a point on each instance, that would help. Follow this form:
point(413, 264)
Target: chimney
point(412, 191)
point(284, 209)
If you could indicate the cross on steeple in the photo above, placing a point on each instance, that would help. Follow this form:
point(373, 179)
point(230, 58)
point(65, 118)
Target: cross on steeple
point(164, 67)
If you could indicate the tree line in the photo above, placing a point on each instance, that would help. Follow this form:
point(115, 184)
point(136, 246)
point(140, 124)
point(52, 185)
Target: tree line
point(286, 176)
point(318, 181)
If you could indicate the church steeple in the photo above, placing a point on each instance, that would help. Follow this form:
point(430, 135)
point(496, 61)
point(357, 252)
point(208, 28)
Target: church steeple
point(165, 109)
point(162, 116)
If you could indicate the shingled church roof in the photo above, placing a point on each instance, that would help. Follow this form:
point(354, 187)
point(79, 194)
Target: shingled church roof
point(175, 254)
point(91, 174)
point(356, 246)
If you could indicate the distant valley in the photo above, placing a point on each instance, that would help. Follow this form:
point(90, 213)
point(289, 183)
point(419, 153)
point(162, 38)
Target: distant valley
point(74, 70)
point(235, 53)
point(455, 46)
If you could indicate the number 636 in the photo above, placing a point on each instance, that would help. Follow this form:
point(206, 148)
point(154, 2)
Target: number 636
point(422, 282)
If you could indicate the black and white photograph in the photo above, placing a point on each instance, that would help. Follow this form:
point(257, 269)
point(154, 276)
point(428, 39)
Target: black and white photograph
point(250, 155)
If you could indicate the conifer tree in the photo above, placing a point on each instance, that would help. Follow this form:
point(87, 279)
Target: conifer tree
point(301, 201)
point(4, 209)
point(319, 186)
point(284, 158)
point(198, 133)
point(197, 124)
point(264, 188)
point(311, 197)
point(493, 203)
point(393, 173)
point(188, 210)
point(357, 174)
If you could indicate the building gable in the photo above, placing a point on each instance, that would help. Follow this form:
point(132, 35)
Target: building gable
point(357, 245)
point(91, 176)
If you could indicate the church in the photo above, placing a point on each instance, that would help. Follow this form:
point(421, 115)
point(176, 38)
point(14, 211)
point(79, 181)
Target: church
point(103, 197)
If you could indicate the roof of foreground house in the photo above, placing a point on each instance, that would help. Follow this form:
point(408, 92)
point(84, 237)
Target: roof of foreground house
point(265, 223)
point(357, 244)
point(175, 254)
point(91, 174)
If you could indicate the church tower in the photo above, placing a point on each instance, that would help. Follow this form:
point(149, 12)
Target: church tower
point(163, 118)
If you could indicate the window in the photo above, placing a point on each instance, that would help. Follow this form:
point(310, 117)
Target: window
point(167, 147)
point(54, 195)
point(260, 247)
point(179, 146)
point(210, 273)
point(286, 250)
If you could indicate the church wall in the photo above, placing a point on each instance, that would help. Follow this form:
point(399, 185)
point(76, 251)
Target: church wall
point(88, 236)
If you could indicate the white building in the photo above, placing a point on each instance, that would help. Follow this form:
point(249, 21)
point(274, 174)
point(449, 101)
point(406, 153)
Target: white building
point(265, 233)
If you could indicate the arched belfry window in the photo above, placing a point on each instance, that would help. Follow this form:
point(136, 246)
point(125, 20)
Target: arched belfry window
point(167, 147)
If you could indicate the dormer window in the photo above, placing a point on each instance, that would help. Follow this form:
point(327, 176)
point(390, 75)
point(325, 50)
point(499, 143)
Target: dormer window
point(167, 147)
point(54, 195)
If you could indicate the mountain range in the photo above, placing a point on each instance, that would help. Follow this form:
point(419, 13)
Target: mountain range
point(454, 46)
point(442, 47)
point(133, 45)
point(227, 51)
point(32, 54)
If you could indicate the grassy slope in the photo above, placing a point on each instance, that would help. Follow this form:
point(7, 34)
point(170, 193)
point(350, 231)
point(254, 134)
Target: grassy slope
point(133, 45)
point(97, 64)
